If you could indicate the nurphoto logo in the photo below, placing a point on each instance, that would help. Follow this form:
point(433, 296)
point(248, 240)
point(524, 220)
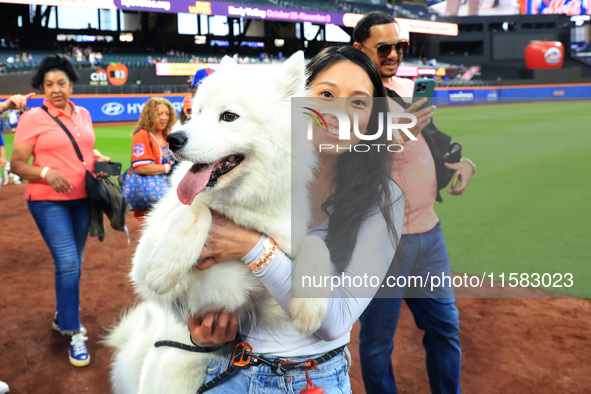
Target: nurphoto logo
point(386, 122)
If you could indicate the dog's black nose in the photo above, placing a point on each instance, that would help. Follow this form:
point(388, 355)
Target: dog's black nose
point(176, 140)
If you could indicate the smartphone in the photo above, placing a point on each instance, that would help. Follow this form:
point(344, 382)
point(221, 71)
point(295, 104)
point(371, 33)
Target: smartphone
point(424, 88)
point(111, 168)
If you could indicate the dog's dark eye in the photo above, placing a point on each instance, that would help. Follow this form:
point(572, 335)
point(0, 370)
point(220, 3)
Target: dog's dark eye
point(229, 116)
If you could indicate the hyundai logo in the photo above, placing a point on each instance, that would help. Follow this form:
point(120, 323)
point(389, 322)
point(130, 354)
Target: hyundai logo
point(113, 109)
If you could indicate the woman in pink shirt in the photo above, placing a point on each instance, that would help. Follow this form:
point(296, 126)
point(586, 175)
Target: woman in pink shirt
point(56, 190)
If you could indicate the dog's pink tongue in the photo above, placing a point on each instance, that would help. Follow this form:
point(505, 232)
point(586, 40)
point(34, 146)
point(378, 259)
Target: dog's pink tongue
point(193, 183)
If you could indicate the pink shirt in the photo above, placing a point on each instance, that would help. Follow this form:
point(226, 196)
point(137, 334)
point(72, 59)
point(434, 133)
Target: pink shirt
point(414, 171)
point(52, 148)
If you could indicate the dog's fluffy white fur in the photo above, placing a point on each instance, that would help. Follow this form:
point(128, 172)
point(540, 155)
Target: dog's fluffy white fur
point(264, 192)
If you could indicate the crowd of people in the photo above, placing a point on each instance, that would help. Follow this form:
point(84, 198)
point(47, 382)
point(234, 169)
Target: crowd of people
point(9, 119)
point(19, 58)
point(391, 194)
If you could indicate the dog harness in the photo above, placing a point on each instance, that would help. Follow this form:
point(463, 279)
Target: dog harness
point(242, 356)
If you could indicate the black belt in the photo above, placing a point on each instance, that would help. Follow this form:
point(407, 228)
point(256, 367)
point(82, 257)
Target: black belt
point(242, 356)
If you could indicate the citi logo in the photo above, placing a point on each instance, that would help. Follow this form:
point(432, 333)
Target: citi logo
point(113, 109)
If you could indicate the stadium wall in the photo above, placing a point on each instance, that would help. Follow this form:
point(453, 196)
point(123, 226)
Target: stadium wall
point(114, 108)
point(91, 83)
point(127, 107)
point(510, 94)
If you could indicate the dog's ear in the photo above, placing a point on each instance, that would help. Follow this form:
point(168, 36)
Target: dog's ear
point(292, 78)
point(228, 64)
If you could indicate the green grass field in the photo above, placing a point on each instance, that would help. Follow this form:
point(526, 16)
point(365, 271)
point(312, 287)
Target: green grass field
point(528, 207)
point(114, 142)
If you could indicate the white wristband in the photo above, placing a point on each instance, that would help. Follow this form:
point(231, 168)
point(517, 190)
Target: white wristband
point(465, 159)
point(166, 168)
point(44, 172)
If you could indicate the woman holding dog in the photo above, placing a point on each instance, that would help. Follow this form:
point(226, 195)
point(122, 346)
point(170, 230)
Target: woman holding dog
point(356, 209)
point(56, 189)
point(149, 149)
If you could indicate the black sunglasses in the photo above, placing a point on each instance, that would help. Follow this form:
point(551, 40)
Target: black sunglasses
point(384, 50)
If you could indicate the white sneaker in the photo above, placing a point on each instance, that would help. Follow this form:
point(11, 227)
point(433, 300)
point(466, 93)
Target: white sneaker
point(3, 388)
point(77, 351)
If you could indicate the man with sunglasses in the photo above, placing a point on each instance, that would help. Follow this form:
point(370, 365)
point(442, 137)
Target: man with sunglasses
point(420, 171)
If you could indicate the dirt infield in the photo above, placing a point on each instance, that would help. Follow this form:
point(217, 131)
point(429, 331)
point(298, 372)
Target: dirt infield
point(509, 345)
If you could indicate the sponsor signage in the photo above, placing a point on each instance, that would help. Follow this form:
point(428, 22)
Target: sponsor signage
point(427, 71)
point(567, 7)
point(120, 108)
point(231, 10)
point(127, 108)
point(276, 13)
point(115, 108)
point(189, 69)
point(116, 74)
point(98, 77)
point(104, 4)
point(407, 71)
point(261, 12)
point(507, 94)
point(427, 27)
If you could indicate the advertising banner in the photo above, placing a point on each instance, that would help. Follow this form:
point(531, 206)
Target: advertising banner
point(128, 107)
point(568, 7)
point(114, 108)
point(104, 4)
point(231, 10)
point(509, 94)
point(277, 14)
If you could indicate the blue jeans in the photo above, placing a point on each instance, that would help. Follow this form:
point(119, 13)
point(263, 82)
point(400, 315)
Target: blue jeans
point(435, 314)
point(332, 376)
point(64, 227)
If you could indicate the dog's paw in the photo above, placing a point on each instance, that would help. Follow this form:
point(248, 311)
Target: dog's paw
point(160, 281)
point(162, 273)
point(307, 313)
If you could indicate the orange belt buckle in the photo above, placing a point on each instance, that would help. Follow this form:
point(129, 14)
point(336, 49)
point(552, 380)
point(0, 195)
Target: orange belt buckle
point(241, 355)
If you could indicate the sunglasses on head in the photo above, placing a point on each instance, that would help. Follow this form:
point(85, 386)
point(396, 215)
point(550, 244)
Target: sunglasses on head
point(384, 50)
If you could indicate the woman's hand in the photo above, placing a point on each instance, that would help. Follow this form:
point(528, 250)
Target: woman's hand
point(208, 331)
point(101, 175)
point(226, 242)
point(58, 182)
point(98, 156)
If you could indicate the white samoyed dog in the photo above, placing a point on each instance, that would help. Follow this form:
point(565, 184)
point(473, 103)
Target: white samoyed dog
point(236, 153)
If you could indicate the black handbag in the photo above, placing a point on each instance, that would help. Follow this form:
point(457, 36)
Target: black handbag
point(99, 197)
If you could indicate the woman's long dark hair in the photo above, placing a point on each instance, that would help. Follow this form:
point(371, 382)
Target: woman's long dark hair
point(362, 182)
